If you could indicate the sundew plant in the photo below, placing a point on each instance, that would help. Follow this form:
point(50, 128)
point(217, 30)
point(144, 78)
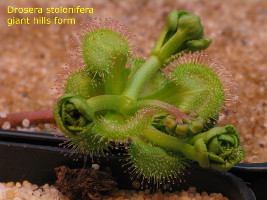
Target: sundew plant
point(163, 109)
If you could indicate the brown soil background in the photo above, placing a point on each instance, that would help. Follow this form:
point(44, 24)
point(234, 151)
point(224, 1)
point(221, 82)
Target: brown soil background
point(31, 56)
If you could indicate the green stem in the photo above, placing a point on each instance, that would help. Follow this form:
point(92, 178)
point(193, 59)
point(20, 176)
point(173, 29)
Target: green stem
point(144, 73)
point(160, 41)
point(126, 106)
point(169, 28)
point(165, 107)
point(116, 103)
point(138, 81)
point(169, 142)
point(172, 46)
point(170, 93)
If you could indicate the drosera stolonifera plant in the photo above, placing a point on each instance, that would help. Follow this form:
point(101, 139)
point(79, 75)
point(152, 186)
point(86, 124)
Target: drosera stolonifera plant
point(164, 109)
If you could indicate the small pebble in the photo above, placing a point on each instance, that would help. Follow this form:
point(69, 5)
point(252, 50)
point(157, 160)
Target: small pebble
point(26, 123)
point(95, 166)
point(6, 125)
point(18, 184)
point(26, 183)
point(53, 190)
point(10, 194)
point(36, 193)
point(10, 184)
point(3, 115)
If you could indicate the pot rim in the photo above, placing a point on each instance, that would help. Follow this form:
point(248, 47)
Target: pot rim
point(251, 166)
point(54, 140)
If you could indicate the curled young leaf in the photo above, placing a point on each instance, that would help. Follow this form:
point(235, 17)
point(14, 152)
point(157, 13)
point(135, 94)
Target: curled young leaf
point(218, 148)
point(73, 115)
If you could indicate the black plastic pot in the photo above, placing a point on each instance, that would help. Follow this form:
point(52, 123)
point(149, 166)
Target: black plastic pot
point(255, 175)
point(33, 157)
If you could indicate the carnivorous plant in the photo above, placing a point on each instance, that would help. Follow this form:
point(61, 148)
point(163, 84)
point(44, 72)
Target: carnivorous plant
point(164, 109)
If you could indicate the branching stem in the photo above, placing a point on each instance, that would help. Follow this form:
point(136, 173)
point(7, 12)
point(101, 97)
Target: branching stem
point(169, 142)
point(141, 77)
